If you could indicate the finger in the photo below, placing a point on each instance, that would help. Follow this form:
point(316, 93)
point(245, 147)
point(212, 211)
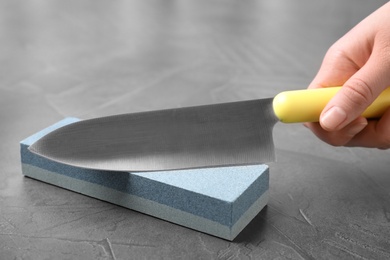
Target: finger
point(375, 135)
point(357, 93)
point(335, 70)
point(342, 137)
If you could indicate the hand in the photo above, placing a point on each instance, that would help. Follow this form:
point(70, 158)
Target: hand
point(360, 62)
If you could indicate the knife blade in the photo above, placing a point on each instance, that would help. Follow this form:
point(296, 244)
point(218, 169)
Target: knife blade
point(235, 133)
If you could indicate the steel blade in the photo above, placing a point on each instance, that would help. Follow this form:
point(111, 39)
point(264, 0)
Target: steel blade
point(236, 133)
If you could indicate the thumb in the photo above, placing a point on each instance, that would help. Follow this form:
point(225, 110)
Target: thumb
point(356, 94)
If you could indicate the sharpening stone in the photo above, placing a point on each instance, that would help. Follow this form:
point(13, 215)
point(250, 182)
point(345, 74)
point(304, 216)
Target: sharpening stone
point(219, 201)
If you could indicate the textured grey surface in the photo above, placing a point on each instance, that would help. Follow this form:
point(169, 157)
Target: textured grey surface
point(96, 58)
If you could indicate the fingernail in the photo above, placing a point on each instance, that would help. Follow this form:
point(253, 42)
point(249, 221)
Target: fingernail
point(354, 130)
point(333, 118)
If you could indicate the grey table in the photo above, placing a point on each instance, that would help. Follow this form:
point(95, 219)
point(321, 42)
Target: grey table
point(97, 58)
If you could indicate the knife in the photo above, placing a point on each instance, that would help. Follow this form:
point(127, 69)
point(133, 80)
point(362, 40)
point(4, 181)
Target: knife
point(236, 133)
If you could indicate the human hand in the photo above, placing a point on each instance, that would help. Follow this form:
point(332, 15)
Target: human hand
point(360, 62)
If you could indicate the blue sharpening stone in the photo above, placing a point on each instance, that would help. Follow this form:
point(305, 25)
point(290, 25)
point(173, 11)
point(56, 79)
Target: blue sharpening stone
point(218, 201)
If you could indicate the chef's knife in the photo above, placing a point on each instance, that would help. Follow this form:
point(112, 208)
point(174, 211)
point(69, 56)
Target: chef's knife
point(236, 133)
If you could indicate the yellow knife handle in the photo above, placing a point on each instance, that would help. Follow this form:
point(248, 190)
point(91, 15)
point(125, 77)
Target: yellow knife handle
point(300, 106)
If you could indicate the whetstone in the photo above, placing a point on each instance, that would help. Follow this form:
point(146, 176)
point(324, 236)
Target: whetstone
point(219, 201)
